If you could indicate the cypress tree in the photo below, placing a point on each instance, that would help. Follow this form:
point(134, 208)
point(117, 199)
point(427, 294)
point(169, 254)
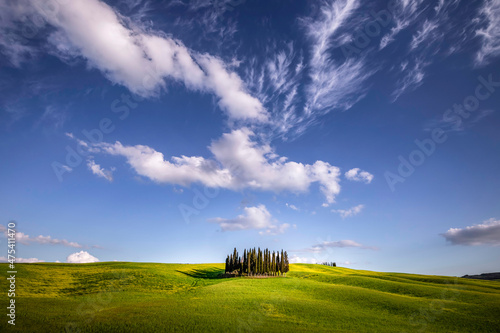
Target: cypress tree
point(244, 266)
point(259, 260)
point(265, 261)
point(277, 263)
point(249, 255)
point(268, 261)
point(282, 263)
point(273, 263)
point(287, 267)
point(235, 260)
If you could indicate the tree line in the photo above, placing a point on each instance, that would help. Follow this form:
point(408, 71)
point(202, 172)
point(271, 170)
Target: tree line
point(257, 262)
point(332, 264)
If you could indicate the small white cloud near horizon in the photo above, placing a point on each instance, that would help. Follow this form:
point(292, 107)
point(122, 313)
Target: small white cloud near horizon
point(486, 233)
point(23, 260)
point(295, 259)
point(257, 217)
point(81, 257)
point(325, 245)
point(25, 239)
point(349, 212)
point(359, 175)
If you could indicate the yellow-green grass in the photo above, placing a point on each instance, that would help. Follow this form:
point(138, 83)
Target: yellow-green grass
point(149, 297)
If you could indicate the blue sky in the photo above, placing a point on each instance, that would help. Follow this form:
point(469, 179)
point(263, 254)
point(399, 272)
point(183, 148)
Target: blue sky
point(359, 132)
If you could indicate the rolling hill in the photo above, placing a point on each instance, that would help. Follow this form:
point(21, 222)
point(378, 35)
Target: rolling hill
point(150, 297)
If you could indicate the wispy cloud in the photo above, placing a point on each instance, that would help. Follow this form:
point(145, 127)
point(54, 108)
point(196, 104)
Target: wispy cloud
point(486, 233)
point(349, 212)
point(99, 171)
point(48, 240)
point(335, 84)
point(426, 32)
point(23, 260)
point(405, 13)
point(412, 79)
point(332, 244)
point(490, 33)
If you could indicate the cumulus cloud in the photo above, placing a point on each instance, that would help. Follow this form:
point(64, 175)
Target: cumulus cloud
point(239, 162)
point(486, 233)
point(22, 260)
point(490, 33)
point(257, 217)
point(349, 212)
point(359, 175)
point(295, 259)
point(99, 171)
point(143, 61)
point(81, 258)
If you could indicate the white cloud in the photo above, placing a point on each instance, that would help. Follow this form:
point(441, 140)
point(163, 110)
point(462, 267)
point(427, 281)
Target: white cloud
point(27, 240)
point(239, 163)
point(349, 212)
point(276, 229)
point(100, 172)
point(276, 81)
point(295, 259)
point(486, 233)
point(490, 34)
point(22, 260)
point(253, 218)
point(325, 245)
point(334, 84)
point(128, 55)
point(359, 175)
point(293, 207)
point(81, 258)
point(427, 31)
point(405, 13)
point(412, 79)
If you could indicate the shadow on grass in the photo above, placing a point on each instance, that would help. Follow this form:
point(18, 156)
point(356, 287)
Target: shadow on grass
point(209, 273)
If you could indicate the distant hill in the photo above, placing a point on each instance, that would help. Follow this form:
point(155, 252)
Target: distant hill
point(484, 276)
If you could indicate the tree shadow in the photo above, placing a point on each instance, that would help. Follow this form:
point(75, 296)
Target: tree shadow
point(209, 273)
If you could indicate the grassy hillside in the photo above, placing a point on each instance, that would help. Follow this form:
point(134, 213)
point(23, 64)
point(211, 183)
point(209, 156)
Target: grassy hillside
point(143, 297)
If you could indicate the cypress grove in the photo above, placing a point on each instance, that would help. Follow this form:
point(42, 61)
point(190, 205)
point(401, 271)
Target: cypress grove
point(256, 262)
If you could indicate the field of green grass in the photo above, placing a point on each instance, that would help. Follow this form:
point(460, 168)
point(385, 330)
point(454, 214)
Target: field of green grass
point(145, 297)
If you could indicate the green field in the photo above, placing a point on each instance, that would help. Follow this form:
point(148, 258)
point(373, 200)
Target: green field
point(145, 297)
